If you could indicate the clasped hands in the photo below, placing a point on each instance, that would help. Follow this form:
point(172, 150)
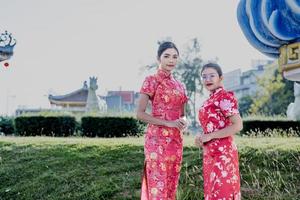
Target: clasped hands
point(201, 138)
point(181, 124)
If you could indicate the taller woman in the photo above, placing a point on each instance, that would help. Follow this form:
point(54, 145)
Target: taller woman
point(163, 138)
point(220, 120)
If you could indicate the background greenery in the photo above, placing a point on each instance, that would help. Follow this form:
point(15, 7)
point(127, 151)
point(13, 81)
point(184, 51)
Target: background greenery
point(111, 168)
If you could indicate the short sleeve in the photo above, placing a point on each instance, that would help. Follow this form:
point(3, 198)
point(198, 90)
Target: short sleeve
point(228, 104)
point(149, 86)
point(185, 97)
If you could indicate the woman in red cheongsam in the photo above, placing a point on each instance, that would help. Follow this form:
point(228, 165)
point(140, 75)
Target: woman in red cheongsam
point(163, 138)
point(220, 120)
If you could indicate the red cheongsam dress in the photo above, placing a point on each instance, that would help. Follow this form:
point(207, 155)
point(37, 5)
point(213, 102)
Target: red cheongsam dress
point(220, 156)
point(163, 145)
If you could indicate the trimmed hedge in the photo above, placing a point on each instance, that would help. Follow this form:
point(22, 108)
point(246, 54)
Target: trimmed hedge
point(48, 126)
point(111, 126)
point(7, 125)
point(256, 127)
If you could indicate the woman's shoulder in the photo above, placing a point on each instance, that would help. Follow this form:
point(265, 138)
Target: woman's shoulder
point(227, 94)
point(179, 83)
point(151, 77)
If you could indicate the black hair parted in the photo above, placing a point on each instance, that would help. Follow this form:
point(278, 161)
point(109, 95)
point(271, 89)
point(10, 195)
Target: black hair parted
point(164, 46)
point(214, 66)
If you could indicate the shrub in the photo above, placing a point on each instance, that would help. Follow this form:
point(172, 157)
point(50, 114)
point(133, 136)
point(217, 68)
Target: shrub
point(7, 125)
point(111, 126)
point(49, 126)
point(269, 127)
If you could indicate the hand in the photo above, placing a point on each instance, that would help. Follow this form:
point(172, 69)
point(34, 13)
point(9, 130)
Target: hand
point(175, 124)
point(205, 138)
point(184, 121)
point(198, 142)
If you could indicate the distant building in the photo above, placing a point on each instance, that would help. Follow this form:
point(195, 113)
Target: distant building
point(121, 100)
point(74, 101)
point(259, 62)
point(79, 101)
point(245, 83)
point(22, 111)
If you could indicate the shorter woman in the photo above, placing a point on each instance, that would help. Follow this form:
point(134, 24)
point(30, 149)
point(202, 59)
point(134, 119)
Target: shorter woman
point(220, 120)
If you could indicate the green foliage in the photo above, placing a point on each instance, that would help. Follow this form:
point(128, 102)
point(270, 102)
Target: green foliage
point(91, 126)
point(281, 98)
point(110, 114)
point(264, 174)
point(263, 117)
point(7, 125)
point(188, 72)
point(66, 168)
point(275, 94)
point(111, 126)
point(245, 104)
point(70, 172)
point(271, 127)
point(269, 174)
point(49, 113)
point(48, 126)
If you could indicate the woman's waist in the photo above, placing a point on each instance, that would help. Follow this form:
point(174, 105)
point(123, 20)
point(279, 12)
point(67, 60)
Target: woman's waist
point(164, 131)
point(167, 114)
point(219, 141)
point(222, 152)
point(219, 145)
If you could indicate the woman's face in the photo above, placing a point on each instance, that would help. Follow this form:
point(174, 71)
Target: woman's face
point(211, 79)
point(168, 59)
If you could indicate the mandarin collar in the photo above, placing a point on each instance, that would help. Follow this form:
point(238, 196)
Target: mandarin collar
point(162, 74)
point(216, 91)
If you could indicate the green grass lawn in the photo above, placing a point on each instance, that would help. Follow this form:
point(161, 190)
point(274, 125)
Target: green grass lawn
point(85, 168)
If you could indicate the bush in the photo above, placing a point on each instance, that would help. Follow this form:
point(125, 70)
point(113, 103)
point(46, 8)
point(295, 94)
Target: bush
point(269, 127)
point(7, 125)
point(111, 126)
point(59, 126)
point(48, 126)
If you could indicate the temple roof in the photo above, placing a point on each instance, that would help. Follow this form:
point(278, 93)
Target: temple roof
point(78, 96)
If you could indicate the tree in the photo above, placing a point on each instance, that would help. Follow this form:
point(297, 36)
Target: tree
point(245, 104)
point(281, 98)
point(188, 72)
point(275, 94)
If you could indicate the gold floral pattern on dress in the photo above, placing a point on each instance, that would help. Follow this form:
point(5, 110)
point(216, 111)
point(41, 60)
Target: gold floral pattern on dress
point(163, 145)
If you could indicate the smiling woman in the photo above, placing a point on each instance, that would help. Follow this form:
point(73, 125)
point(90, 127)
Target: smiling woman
point(220, 120)
point(163, 139)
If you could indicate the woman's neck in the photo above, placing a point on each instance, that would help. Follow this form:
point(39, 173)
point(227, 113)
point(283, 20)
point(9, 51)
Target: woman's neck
point(164, 70)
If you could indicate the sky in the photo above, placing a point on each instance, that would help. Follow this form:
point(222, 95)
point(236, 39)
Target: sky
point(61, 43)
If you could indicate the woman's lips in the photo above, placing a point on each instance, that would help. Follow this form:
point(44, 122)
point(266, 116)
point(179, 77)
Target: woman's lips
point(208, 84)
